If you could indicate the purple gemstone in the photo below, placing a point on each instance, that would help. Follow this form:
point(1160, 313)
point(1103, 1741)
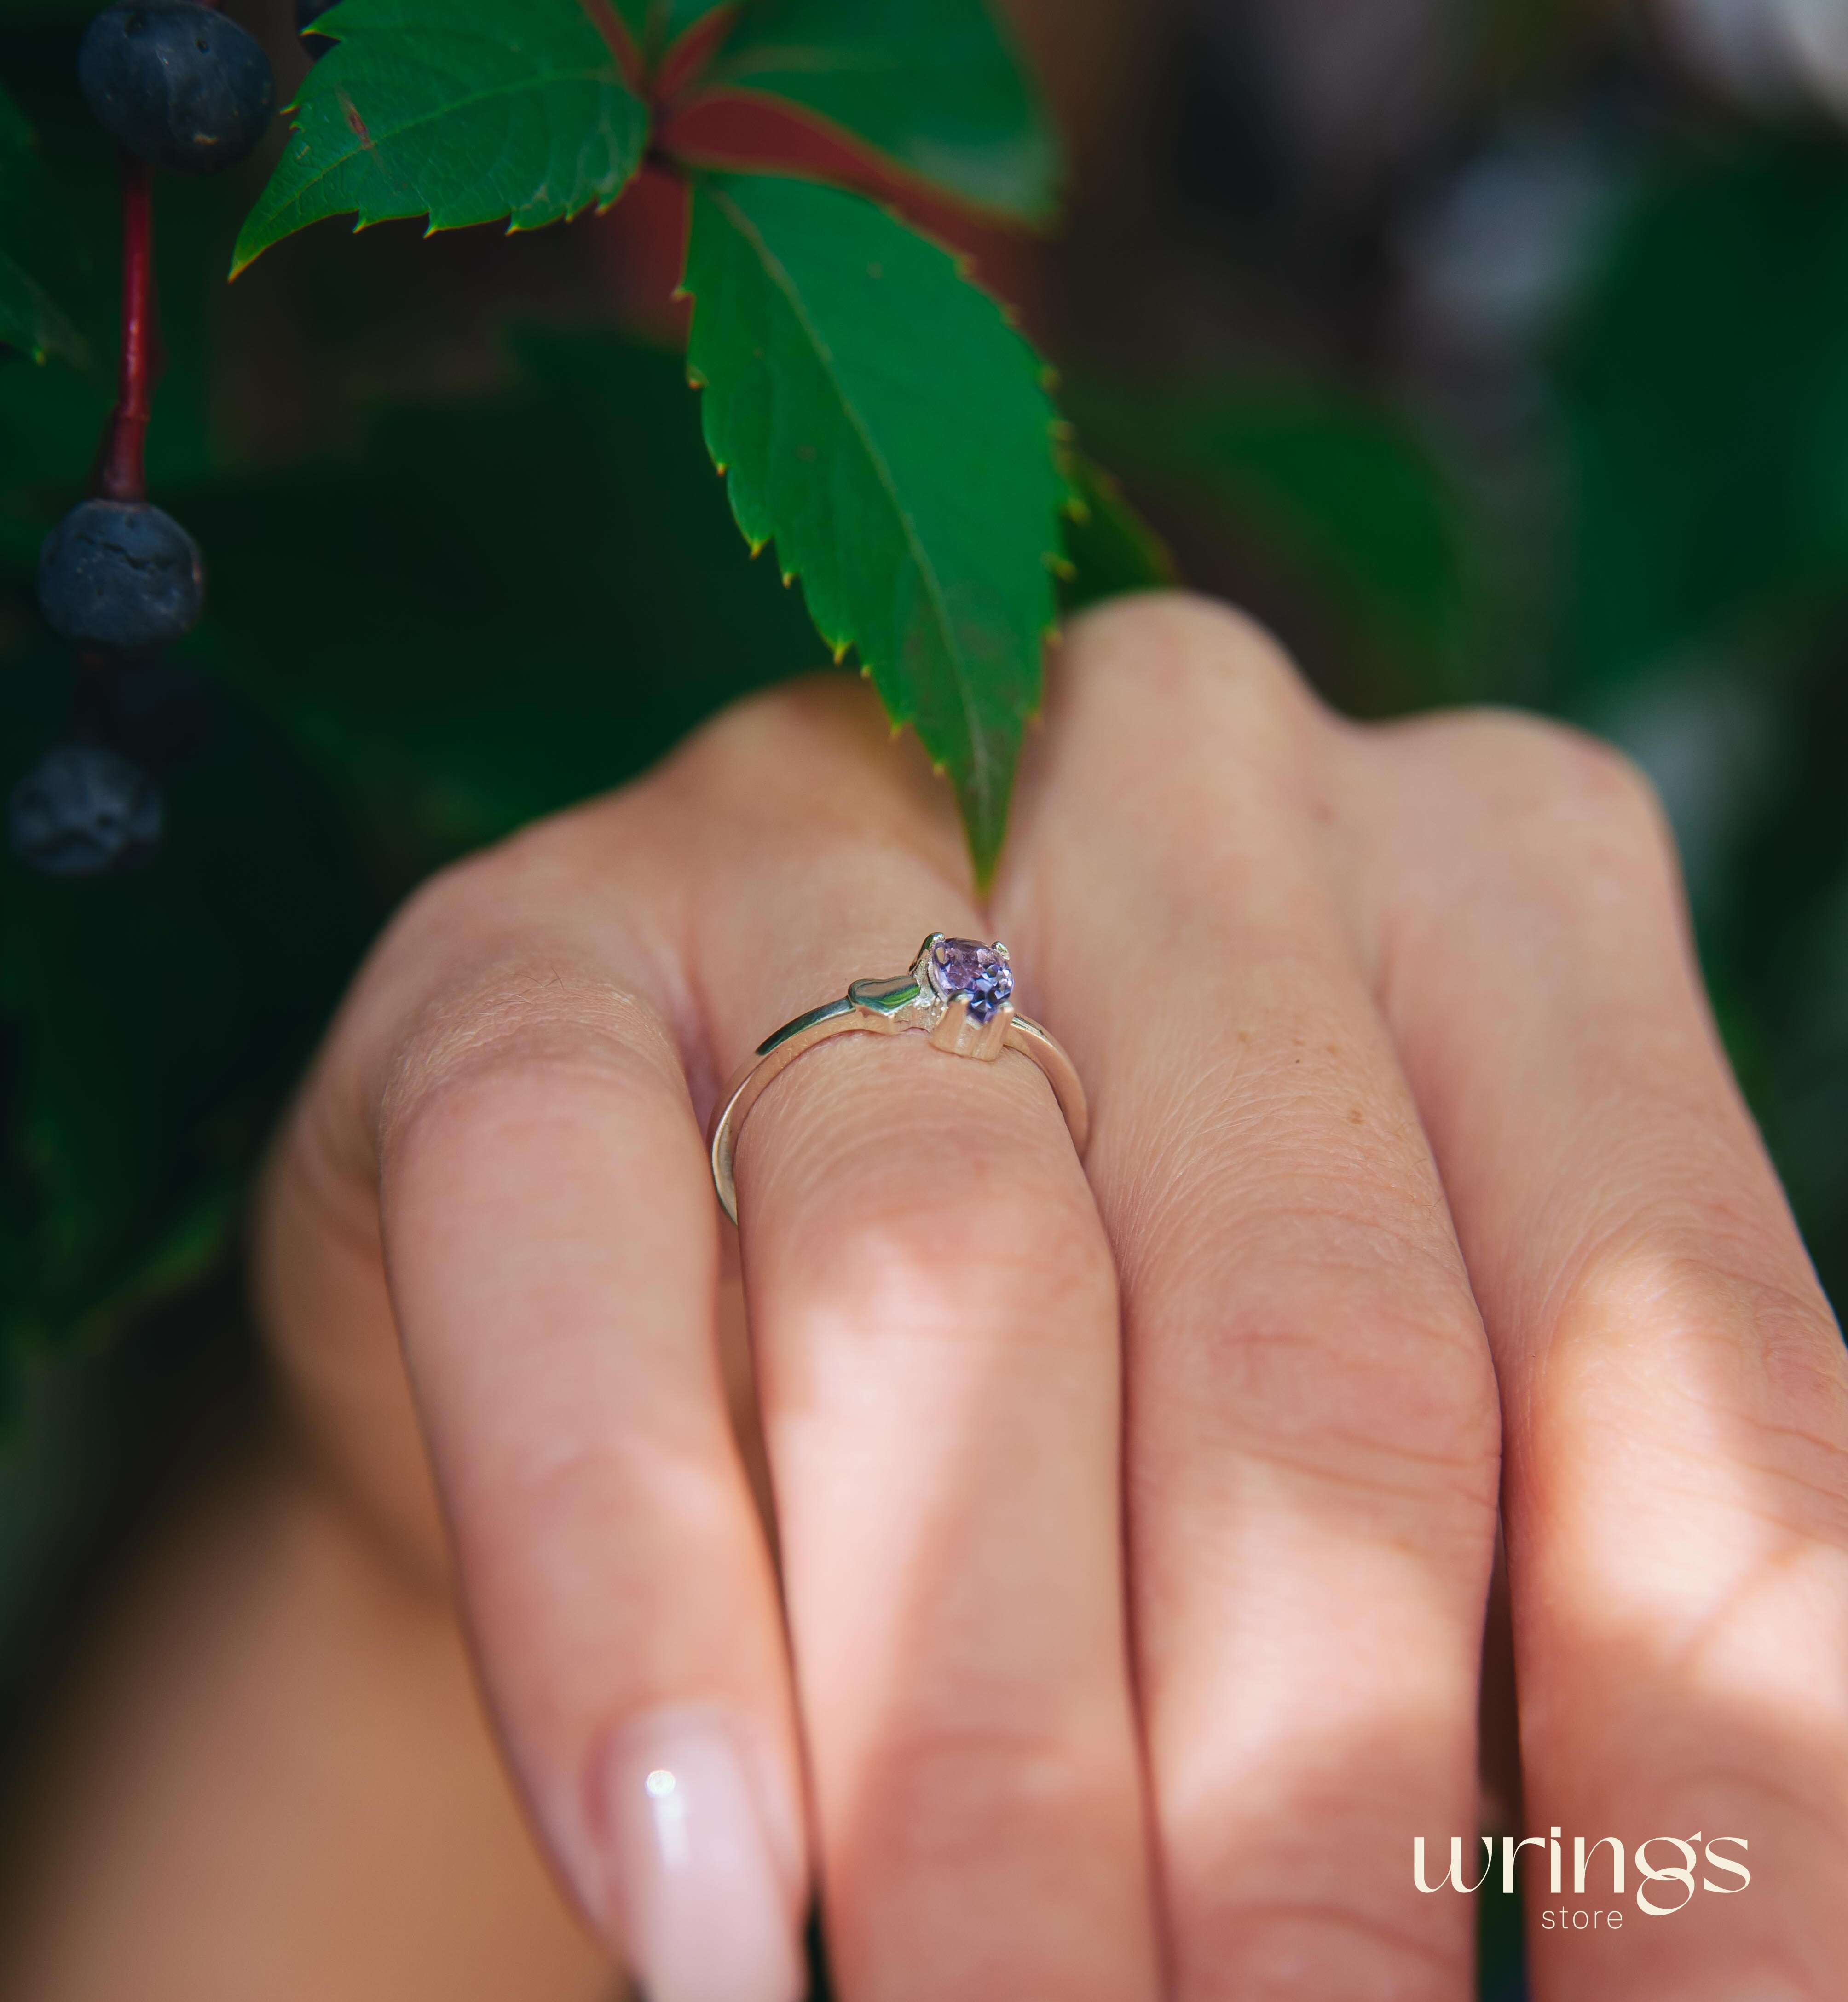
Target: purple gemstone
point(965, 966)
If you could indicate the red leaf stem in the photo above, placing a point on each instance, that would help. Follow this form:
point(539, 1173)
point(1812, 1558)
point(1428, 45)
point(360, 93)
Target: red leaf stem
point(609, 24)
point(755, 132)
point(121, 473)
point(683, 62)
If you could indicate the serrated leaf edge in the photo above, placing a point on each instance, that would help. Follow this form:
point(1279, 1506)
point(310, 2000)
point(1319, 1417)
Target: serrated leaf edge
point(982, 774)
point(1061, 431)
point(242, 260)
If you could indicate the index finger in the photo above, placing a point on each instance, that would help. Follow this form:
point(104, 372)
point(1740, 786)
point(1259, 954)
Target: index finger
point(509, 1071)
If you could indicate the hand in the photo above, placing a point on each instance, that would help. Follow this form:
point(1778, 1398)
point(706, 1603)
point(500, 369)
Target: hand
point(1135, 1523)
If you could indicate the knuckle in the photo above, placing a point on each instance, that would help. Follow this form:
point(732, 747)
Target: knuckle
point(785, 739)
point(951, 1796)
point(440, 903)
point(752, 729)
point(808, 772)
point(522, 1033)
point(1405, 1407)
point(668, 1461)
point(1571, 791)
point(988, 1239)
point(1261, 1951)
point(1726, 1358)
point(1359, 1362)
point(1184, 661)
point(1590, 773)
point(1002, 1233)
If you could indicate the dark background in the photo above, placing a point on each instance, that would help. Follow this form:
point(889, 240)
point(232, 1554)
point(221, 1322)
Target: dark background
point(1489, 351)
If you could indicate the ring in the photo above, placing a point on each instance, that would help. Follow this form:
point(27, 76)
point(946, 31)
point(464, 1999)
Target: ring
point(958, 992)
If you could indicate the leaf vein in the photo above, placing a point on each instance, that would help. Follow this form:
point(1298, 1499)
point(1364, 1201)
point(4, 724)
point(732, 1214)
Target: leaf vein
point(926, 566)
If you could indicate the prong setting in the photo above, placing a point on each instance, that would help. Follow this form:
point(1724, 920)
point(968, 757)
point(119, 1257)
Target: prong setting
point(953, 970)
point(959, 992)
point(958, 1031)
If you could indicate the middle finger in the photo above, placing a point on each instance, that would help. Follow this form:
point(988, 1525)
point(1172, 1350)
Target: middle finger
point(1313, 1434)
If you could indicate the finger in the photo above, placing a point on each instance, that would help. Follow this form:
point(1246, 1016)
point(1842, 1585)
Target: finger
point(1677, 1462)
point(548, 1230)
point(934, 1319)
point(1313, 1433)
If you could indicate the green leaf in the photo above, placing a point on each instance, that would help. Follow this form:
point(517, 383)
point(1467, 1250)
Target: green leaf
point(465, 112)
point(30, 319)
point(878, 417)
point(930, 83)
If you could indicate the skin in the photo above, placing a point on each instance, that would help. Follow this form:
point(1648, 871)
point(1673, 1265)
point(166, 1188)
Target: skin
point(1134, 1523)
point(269, 1776)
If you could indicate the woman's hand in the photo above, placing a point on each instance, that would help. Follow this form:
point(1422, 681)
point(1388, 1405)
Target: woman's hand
point(1135, 1522)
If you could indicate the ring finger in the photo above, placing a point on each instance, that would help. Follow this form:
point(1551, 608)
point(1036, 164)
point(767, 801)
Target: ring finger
point(933, 1316)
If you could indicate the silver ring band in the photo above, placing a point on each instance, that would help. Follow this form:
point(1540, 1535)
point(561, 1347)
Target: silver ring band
point(956, 992)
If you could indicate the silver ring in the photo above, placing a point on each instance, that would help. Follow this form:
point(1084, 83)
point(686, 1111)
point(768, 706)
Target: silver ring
point(957, 992)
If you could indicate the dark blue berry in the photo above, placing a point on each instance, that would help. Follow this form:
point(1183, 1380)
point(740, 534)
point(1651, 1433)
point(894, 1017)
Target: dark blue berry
point(176, 83)
point(83, 811)
point(121, 574)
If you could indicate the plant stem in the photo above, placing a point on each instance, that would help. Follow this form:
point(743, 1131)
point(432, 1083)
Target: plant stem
point(121, 473)
point(629, 59)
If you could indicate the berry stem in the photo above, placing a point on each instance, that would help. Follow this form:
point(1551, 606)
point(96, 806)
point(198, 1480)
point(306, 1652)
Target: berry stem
point(121, 473)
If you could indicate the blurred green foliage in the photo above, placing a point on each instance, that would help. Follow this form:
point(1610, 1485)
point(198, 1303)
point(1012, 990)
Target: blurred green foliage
point(1702, 610)
point(31, 257)
point(1704, 393)
point(928, 83)
point(377, 695)
point(1340, 490)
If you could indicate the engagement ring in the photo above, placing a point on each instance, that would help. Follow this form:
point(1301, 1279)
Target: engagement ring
point(959, 992)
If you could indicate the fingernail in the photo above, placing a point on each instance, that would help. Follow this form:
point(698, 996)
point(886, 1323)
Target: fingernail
point(705, 1911)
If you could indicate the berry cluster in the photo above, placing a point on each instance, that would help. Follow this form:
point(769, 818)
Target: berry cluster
point(176, 85)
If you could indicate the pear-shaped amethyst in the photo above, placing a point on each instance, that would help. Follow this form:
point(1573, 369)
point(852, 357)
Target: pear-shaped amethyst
point(967, 966)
